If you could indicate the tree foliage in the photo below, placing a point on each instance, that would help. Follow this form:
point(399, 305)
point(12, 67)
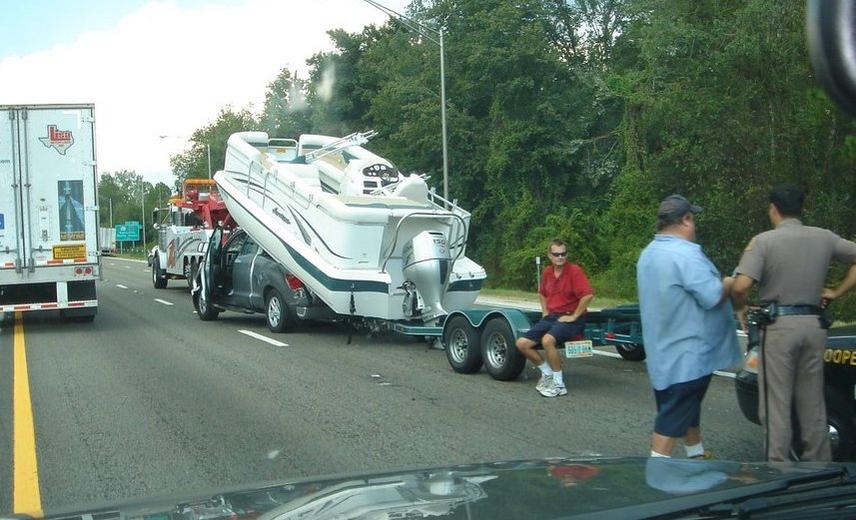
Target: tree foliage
point(124, 196)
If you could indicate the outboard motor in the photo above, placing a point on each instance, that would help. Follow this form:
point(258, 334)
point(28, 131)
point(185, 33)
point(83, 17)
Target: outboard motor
point(427, 264)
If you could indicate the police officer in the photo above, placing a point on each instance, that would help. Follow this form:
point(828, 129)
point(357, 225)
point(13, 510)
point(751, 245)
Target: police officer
point(790, 263)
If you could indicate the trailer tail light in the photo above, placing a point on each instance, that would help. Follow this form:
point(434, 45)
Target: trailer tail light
point(78, 270)
point(293, 282)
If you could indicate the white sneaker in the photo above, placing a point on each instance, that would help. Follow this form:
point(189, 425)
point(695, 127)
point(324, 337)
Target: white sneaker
point(542, 383)
point(554, 390)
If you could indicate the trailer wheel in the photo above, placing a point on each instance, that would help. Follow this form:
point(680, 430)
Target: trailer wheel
point(204, 309)
point(502, 360)
point(462, 345)
point(158, 274)
point(631, 352)
point(278, 314)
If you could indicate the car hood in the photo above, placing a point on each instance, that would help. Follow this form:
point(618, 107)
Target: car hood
point(544, 488)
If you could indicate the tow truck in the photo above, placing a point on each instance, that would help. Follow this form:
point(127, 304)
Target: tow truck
point(184, 228)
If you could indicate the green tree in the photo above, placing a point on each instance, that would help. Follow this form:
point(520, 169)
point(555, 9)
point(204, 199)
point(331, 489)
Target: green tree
point(193, 163)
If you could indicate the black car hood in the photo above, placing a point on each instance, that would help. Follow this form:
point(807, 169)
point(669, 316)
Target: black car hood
point(547, 488)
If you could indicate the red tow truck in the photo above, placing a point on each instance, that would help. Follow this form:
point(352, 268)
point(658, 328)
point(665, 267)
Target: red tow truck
point(184, 228)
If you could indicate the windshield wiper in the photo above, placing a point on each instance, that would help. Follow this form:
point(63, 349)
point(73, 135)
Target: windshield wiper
point(822, 493)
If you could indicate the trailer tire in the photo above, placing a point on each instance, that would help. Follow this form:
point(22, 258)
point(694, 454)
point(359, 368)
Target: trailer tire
point(204, 309)
point(278, 314)
point(158, 274)
point(77, 318)
point(462, 340)
point(502, 360)
point(632, 352)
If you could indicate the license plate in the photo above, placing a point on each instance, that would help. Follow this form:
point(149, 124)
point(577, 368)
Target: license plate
point(70, 251)
point(579, 349)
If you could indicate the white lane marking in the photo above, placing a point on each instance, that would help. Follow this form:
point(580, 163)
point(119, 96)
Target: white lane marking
point(731, 375)
point(145, 270)
point(263, 338)
point(127, 267)
point(607, 354)
point(720, 373)
point(163, 301)
point(130, 260)
point(120, 286)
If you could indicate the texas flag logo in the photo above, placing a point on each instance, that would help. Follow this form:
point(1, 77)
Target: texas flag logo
point(59, 139)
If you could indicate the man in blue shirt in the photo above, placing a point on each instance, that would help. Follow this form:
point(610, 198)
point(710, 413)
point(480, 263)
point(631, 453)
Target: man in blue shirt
point(688, 325)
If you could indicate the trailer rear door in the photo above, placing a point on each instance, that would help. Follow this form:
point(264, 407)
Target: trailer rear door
point(59, 199)
point(11, 244)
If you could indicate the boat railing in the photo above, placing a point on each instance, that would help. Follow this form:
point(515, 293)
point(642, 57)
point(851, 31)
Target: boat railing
point(459, 237)
point(355, 139)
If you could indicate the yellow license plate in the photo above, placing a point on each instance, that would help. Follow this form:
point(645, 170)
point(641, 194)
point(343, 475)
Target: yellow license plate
point(69, 251)
point(579, 349)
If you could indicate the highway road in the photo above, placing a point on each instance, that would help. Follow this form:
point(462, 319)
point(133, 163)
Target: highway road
point(149, 400)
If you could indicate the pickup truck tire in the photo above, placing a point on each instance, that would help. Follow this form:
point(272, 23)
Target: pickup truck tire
point(278, 314)
point(462, 342)
point(631, 352)
point(502, 360)
point(204, 309)
point(158, 274)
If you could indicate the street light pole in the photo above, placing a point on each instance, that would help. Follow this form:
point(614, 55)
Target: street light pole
point(143, 208)
point(436, 37)
point(443, 117)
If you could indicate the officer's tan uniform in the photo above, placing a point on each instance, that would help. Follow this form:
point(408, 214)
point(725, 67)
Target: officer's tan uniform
point(790, 264)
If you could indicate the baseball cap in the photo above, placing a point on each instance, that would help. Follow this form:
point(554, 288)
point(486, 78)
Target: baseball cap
point(675, 206)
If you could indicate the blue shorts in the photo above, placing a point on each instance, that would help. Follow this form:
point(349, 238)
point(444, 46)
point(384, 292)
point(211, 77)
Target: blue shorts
point(560, 330)
point(679, 407)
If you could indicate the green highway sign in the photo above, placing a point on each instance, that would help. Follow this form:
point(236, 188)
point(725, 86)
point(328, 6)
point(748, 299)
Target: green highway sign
point(128, 232)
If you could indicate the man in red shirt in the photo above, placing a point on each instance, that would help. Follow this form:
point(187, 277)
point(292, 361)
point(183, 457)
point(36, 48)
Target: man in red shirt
point(565, 294)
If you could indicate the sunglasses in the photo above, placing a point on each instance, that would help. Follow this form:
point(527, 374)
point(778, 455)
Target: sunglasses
point(559, 255)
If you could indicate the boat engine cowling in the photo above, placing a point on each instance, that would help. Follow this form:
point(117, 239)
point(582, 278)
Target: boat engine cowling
point(427, 264)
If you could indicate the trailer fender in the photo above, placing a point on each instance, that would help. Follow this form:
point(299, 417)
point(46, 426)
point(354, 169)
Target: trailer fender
point(517, 319)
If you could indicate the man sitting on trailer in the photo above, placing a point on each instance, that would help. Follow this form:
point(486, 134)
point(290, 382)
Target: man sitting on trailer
point(565, 294)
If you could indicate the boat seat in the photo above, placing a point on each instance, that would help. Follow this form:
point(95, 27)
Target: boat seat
point(308, 173)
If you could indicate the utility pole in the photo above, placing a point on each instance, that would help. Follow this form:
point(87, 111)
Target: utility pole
point(436, 37)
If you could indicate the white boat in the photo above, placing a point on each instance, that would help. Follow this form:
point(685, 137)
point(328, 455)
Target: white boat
point(362, 237)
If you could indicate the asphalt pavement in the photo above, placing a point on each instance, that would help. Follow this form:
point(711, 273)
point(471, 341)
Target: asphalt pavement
point(149, 400)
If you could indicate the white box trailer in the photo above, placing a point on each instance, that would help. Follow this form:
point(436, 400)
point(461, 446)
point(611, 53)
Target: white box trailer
point(49, 250)
point(107, 239)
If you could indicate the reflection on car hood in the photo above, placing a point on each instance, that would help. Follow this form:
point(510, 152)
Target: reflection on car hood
point(547, 488)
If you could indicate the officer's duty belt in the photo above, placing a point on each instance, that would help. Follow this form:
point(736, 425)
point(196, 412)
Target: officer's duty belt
point(799, 310)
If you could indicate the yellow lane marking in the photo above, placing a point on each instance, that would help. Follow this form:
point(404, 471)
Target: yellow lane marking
point(26, 495)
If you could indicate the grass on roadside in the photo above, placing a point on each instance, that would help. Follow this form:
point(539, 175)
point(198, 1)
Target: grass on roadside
point(600, 302)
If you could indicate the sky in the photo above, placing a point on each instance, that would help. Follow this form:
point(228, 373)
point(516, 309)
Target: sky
point(161, 68)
